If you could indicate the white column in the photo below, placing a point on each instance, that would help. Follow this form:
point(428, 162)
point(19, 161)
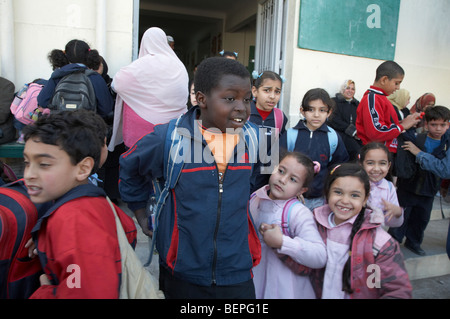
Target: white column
point(7, 49)
point(101, 28)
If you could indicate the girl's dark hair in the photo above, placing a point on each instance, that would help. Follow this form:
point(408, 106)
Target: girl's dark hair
point(305, 161)
point(344, 170)
point(376, 146)
point(266, 75)
point(57, 59)
point(317, 94)
point(211, 70)
point(373, 146)
point(78, 51)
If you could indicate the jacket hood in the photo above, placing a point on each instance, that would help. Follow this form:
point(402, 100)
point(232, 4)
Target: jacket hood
point(67, 69)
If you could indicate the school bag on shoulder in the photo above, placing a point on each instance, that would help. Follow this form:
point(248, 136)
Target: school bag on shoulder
point(6, 173)
point(405, 161)
point(19, 274)
point(173, 166)
point(297, 268)
point(25, 105)
point(279, 117)
point(292, 134)
point(135, 282)
point(294, 266)
point(75, 91)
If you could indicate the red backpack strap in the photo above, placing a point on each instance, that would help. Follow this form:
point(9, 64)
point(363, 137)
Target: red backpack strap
point(286, 216)
point(279, 117)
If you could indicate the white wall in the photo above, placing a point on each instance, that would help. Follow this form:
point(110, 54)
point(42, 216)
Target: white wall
point(44, 25)
point(423, 50)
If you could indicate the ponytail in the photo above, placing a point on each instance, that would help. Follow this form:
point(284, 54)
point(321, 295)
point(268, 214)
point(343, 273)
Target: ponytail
point(93, 59)
point(57, 59)
point(346, 280)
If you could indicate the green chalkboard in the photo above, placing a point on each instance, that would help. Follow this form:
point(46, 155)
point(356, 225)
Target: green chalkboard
point(366, 28)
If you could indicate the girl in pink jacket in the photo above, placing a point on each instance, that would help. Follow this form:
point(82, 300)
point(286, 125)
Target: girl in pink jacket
point(376, 160)
point(300, 241)
point(364, 261)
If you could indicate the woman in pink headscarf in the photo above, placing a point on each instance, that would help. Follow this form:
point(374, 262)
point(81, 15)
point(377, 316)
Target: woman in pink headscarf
point(151, 90)
point(425, 101)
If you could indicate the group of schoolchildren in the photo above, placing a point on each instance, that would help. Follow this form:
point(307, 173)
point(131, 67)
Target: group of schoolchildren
point(313, 228)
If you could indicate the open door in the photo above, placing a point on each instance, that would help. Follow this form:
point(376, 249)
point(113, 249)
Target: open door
point(270, 36)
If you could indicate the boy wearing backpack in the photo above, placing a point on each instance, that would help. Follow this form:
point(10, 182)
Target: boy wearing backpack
point(205, 237)
point(76, 238)
point(416, 192)
point(313, 137)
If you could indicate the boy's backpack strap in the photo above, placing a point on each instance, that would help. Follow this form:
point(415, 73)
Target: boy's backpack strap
point(173, 164)
point(286, 216)
point(251, 136)
point(332, 140)
point(292, 134)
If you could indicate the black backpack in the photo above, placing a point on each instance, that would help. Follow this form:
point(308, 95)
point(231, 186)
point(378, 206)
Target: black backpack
point(74, 91)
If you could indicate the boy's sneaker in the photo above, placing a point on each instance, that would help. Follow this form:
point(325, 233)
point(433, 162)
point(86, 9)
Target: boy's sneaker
point(417, 250)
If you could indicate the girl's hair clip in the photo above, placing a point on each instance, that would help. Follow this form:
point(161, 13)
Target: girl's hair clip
point(236, 54)
point(222, 52)
point(282, 79)
point(332, 171)
point(316, 167)
point(255, 74)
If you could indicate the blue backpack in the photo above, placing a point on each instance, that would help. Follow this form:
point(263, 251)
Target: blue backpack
point(292, 134)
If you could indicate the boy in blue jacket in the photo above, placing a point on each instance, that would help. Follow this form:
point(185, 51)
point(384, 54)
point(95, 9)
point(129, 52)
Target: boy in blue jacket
point(416, 193)
point(206, 240)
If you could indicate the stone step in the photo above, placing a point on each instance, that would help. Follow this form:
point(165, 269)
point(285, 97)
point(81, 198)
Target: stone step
point(435, 262)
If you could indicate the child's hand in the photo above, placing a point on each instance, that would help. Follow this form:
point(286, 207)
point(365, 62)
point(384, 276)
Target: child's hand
point(410, 121)
point(142, 220)
point(409, 146)
point(272, 235)
point(391, 210)
point(43, 279)
point(32, 251)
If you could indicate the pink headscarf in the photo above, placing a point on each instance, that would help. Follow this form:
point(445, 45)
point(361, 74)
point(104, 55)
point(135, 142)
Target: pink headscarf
point(155, 86)
point(422, 101)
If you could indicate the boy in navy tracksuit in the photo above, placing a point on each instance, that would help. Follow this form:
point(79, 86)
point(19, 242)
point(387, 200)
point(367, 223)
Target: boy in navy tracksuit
point(206, 240)
point(416, 193)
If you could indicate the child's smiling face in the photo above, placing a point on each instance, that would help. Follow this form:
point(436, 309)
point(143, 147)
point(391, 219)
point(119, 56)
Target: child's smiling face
point(346, 198)
point(227, 105)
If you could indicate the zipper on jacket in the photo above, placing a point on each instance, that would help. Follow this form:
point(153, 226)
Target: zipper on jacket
point(216, 230)
point(310, 140)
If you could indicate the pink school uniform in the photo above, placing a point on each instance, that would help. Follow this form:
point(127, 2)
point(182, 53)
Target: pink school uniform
point(372, 246)
point(272, 278)
point(384, 189)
